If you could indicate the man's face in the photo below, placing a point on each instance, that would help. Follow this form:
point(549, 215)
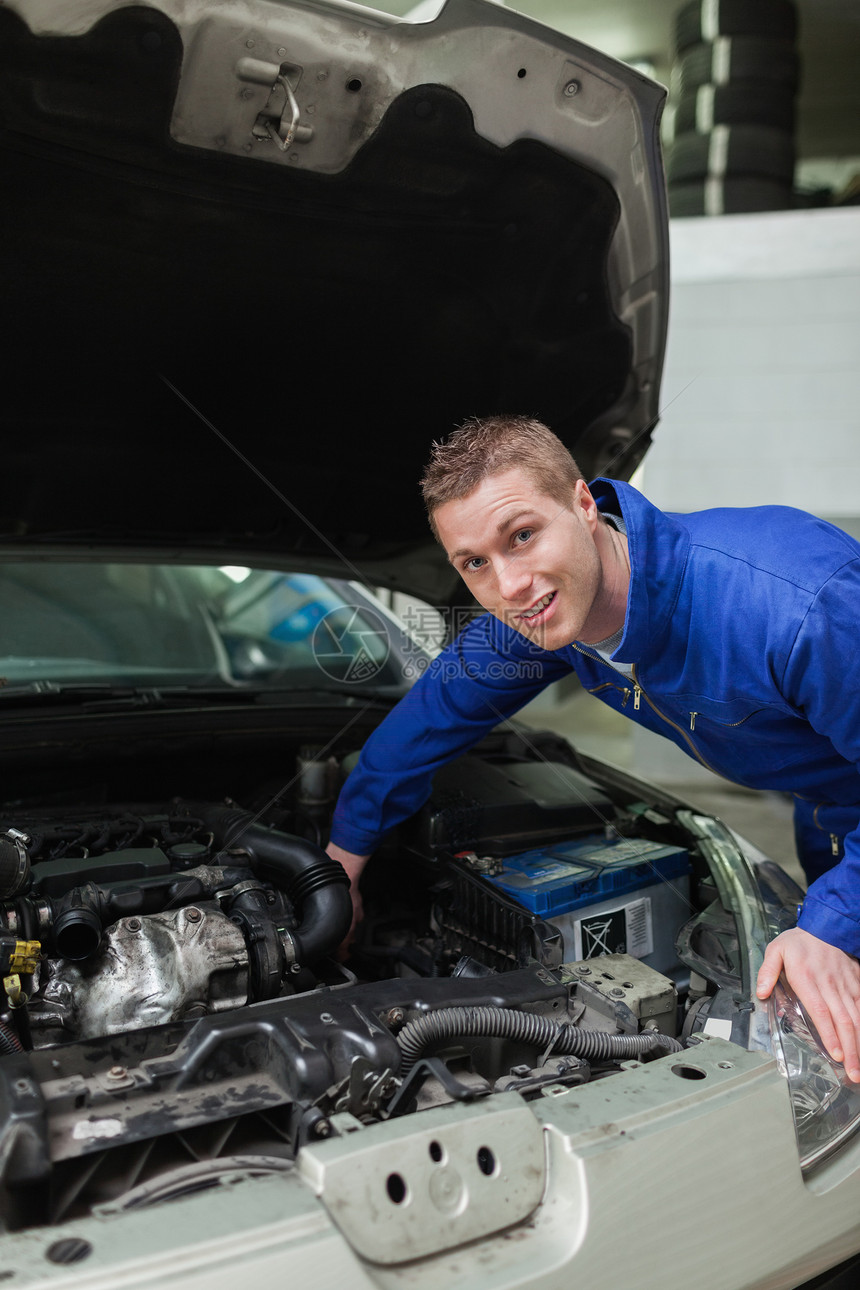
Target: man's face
point(535, 564)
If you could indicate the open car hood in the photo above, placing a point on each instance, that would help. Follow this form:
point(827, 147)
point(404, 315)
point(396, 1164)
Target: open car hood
point(260, 255)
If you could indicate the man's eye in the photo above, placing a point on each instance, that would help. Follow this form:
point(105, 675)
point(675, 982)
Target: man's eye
point(523, 535)
point(473, 564)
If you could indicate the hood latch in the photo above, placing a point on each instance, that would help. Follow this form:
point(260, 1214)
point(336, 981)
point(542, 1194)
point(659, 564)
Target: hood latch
point(279, 119)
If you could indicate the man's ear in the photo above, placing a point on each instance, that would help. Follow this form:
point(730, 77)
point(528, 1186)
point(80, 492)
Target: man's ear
point(585, 504)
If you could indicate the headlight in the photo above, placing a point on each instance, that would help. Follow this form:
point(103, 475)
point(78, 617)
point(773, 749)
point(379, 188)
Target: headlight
point(825, 1105)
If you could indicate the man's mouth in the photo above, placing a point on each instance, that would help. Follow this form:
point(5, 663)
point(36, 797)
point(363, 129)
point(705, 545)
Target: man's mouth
point(529, 615)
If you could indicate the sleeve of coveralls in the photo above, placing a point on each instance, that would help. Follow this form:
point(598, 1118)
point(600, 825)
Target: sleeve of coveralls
point(823, 679)
point(488, 673)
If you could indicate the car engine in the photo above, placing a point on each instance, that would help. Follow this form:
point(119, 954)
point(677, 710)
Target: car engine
point(179, 1002)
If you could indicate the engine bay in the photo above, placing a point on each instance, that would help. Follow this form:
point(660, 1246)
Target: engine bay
point(178, 1001)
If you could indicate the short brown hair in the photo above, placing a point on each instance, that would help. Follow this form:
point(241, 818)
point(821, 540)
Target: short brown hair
point(483, 446)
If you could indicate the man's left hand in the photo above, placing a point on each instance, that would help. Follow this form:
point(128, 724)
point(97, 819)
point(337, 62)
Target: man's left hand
point(826, 980)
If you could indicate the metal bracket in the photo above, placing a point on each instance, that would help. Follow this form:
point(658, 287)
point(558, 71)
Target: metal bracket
point(431, 1068)
point(366, 1088)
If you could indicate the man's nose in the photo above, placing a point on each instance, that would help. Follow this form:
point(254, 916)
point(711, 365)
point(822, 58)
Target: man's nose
point(513, 577)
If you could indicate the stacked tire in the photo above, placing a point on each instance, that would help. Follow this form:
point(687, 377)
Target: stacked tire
point(734, 84)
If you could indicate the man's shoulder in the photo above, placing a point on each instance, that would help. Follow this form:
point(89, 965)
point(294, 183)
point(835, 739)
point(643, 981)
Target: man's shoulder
point(778, 540)
point(764, 524)
point(735, 526)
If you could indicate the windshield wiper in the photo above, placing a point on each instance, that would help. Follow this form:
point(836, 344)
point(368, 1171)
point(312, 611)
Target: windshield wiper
point(105, 694)
point(95, 693)
point(333, 690)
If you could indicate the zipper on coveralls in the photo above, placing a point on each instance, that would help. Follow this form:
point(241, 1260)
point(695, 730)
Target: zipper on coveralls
point(624, 690)
point(834, 837)
point(639, 694)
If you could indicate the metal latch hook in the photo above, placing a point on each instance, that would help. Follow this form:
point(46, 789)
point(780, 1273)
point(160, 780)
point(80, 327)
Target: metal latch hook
point(279, 119)
point(284, 141)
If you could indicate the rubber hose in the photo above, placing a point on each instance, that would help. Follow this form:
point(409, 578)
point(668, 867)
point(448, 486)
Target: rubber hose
point(541, 1032)
point(315, 882)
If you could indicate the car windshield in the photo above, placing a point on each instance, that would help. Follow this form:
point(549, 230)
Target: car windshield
point(67, 624)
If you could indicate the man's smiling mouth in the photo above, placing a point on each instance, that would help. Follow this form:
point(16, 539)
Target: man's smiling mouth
point(537, 609)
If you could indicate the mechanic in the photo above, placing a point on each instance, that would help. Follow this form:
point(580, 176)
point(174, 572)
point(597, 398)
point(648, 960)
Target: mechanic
point(733, 632)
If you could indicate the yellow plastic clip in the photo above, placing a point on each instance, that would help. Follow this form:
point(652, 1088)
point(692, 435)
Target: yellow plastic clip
point(25, 957)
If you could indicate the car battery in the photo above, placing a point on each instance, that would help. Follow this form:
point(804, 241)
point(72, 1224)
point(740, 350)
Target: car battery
point(605, 895)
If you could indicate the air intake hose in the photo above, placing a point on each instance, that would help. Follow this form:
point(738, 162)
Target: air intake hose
point(317, 885)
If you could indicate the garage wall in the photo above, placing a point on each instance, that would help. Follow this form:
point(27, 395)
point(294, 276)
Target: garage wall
point(761, 392)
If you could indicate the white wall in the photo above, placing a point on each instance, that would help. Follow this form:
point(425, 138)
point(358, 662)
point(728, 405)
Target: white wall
point(761, 389)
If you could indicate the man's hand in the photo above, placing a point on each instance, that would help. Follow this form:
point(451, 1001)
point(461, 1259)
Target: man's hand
point(826, 980)
point(353, 865)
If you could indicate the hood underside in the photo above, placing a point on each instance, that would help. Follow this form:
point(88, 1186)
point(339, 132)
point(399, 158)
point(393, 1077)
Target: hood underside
point(258, 260)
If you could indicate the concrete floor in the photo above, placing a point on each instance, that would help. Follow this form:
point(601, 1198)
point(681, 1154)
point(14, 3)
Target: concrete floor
point(765, 819)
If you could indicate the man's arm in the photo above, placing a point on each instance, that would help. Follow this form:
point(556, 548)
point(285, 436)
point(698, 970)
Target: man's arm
point(827, 982)
point(486, 675)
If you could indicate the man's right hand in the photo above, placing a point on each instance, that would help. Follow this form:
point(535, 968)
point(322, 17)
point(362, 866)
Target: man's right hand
point(353, 865)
